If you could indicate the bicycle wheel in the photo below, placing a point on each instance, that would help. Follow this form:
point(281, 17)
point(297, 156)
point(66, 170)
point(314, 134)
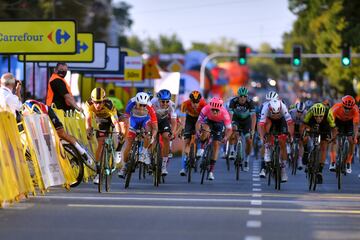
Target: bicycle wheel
point(190, 162)
point(239, 159)
point(277, 168)
point(227, 156)
point(102, 169)
point(76, 163)
point(345, 155)
point(157, 164)
point(204, 165)
point(316, 167)
point(131, 164)
point(295, 157)
point(311, 170)
point(108, 169)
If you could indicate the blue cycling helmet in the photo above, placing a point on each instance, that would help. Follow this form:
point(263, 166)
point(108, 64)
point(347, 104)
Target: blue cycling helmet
point(164, 94)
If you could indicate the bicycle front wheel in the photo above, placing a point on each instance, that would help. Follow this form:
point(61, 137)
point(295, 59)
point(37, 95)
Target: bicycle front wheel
point(131, 164)
point(76, 163)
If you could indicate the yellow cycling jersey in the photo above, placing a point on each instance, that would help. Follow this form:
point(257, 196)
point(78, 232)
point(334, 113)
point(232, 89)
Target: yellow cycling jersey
point(107, 111)
point(328, 117)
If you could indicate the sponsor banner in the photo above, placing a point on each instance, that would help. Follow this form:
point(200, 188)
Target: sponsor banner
point(33, 37)
point(84, 52)
point(133, 68)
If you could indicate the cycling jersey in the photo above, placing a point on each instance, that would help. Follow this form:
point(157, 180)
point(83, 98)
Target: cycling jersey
point(107, 111)
point(339, 112)
point(162, 113)
point(186, 107)
point(132, 111)
point(222, 116)
point(265, 113)
point(241, 111)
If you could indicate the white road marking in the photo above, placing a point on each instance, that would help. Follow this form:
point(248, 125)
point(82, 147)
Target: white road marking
point(257, 179)
point(253, 224)
point(253, 238)
point(256, 202)
point(257, 195)
point(256, 184)
point(255, 212)
point(256, 189)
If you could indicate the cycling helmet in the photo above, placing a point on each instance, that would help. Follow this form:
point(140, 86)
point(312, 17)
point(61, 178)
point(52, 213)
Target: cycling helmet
point(348, 101)
point(216, 103)
point(142, 98)
point(151, 95)
point(318, 110)
point(308, 104)
point(300, 107)
point(271, 95)
point(242, 91)
point(98, 94)
point(195, 96)
point(164, 94)
point(31, 105)
point(275, 106)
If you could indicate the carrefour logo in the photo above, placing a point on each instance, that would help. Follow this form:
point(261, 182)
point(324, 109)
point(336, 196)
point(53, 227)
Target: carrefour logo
point(25, 37)
point(59, 36)
point(81, 46)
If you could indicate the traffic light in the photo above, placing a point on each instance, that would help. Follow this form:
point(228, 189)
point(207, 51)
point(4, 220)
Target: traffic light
point(296, 56)
point(242, 59)
point(345, 56)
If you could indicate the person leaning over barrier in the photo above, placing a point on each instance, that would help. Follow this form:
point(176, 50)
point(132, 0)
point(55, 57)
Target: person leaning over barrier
point(59, 91)
point(7, 98)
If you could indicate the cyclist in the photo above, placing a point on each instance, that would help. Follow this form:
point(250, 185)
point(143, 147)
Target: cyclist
point(268, 97)
point(275, 117)
point(243, 115)
point(105, 114)
point(318, 119)
point(308, 104)
point(192, 107)
point(211, 120)
point(166, 116)
point(346, 115)
point(31, 105)
point(297, 114)
point(141, 115)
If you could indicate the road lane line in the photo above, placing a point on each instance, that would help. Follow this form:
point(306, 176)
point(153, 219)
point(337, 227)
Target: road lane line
point(256, 189)
point(253, 224)
point(256, 202)
point(256, 184)
point(255, 212)
point(257, 195)
point(330, 211)
point(253, 238)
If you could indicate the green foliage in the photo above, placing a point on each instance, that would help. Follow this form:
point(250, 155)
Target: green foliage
point(323, 27)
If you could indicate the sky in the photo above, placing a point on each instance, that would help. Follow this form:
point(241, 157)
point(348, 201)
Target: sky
point(250, 22)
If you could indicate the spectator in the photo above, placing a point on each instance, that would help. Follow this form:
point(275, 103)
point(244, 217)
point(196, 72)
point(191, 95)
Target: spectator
point(116, 101)
point(7, 98)
point(59, 91)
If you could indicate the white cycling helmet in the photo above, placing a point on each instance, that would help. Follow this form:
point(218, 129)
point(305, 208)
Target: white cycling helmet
point(272, 95)
point(300, 107)
point(275, 106)
point(142, 98)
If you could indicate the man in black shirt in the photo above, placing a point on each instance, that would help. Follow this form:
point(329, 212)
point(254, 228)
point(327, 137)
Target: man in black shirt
point(59, 91)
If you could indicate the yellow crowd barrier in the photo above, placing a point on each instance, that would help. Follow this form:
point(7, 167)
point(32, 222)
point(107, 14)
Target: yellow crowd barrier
point(15, 179)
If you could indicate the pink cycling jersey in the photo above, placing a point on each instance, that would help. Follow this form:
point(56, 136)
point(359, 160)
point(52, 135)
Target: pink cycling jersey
point(222, 116)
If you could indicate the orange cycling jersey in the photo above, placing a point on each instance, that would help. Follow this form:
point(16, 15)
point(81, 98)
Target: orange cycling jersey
point(340, 113)
point(186, 107)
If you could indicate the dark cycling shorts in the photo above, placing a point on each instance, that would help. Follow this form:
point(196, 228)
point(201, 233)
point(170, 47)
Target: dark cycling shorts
point(217, 129)
point(54, 119)
point(104, 125)
point(164, 125)
point(190, 123)
point(243, 126)
point(345, 127)
point(278, 126)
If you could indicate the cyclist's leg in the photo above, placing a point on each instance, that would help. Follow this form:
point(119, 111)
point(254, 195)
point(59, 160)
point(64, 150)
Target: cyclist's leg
point(233, 140)
point(349, 129)
point(217, 135)
point(189, 131)
point(164, 131)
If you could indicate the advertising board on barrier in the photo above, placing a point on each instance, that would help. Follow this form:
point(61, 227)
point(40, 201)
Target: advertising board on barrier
point(84, 52)
point(33, 37)
point(39, 129)
point(133, 68)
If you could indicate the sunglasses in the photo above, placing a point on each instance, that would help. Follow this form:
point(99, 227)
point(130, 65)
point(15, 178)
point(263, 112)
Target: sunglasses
point(98, 102)
point(347, 109)
point(243, 96)
point(195, 102)
point(215, 110)
point(165, 101)
point(142, 105)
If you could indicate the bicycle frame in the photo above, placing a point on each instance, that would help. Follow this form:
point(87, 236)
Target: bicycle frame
point(314, 162)
point(342, 153)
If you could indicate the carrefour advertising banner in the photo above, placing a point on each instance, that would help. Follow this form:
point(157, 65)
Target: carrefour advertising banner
point(84, 52)
point(43, 37)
